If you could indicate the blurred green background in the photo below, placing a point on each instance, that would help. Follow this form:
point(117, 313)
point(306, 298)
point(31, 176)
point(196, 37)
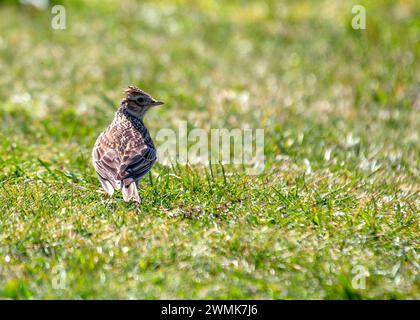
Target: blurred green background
point(340, 108)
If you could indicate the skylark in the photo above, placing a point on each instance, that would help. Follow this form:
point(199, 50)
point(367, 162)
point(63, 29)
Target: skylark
point(124, 152)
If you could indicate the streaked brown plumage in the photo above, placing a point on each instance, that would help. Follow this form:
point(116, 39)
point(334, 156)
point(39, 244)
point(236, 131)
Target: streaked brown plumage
point(124, 152)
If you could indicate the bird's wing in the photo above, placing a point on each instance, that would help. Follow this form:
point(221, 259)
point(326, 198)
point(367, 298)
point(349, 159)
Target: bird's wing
point(137, 162)
point(107, 164)
point(126, 165)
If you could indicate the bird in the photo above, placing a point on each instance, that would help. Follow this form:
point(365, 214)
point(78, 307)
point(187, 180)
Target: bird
point(124, 152)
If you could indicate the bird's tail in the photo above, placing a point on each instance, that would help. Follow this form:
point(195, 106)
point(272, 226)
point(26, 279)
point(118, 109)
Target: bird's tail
point(130, 192)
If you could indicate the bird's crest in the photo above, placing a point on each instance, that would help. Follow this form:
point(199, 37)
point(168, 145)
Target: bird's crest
point(133, 91)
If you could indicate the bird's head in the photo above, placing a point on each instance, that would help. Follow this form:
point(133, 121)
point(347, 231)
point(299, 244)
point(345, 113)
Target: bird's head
point(138, 101)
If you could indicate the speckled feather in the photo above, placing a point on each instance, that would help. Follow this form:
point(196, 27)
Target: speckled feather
point(123, 153)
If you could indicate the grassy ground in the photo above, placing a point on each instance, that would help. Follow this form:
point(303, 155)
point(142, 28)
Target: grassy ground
point(340, 190)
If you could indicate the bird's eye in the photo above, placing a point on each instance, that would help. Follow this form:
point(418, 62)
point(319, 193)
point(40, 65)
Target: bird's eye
point(140, 99)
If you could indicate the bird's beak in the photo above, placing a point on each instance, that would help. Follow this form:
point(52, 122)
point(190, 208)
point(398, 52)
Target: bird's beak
point(157, 103)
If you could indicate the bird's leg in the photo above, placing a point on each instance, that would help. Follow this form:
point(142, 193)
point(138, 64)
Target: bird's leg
point(138, 202)
point(108, 202)
point(136, 197)
point(107, 199)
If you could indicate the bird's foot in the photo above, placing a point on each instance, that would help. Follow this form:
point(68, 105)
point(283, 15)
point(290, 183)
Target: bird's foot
point(137, 204)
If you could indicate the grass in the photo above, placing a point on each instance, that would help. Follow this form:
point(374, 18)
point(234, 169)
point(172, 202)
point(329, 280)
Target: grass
point(340, 189)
